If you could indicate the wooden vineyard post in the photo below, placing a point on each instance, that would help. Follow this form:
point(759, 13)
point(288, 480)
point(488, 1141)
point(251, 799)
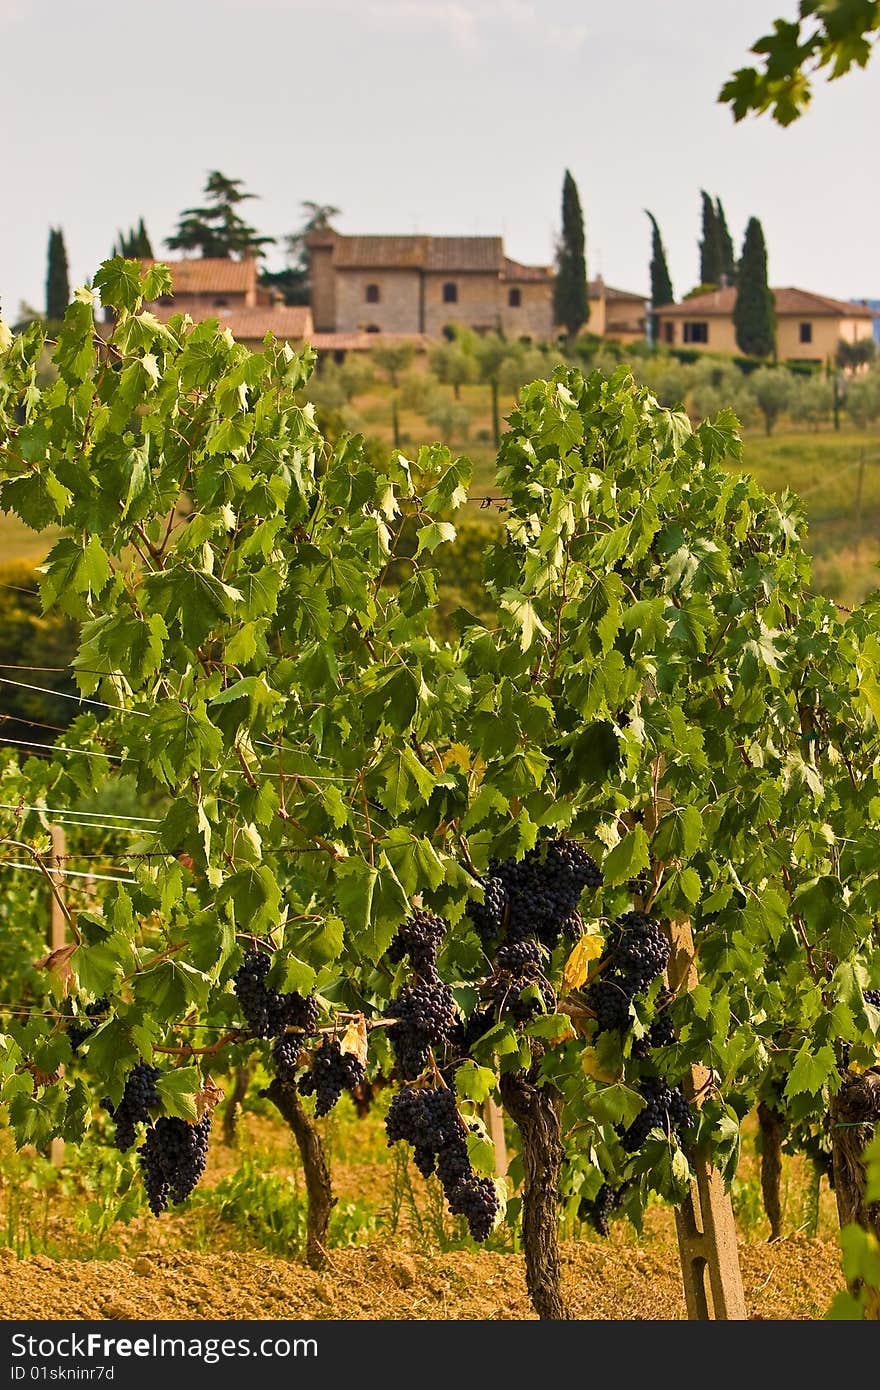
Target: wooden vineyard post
point(493, 1117)
point(57, 937)
point(704, 1222)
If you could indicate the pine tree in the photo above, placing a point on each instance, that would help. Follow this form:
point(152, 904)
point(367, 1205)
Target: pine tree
point(216, 229)
point(754, 313)
point(710, 245)
point(571, 302)
point(725, 244)
point(661, 283)
point(57, 282)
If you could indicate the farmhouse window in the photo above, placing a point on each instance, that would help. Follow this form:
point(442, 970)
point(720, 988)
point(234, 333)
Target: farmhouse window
point(221, 303)
point(514, 298)
point(450, 292)
point(372, 294)
point(696, 332)
point(373, 328)
point(806, 332)
point(669, 332)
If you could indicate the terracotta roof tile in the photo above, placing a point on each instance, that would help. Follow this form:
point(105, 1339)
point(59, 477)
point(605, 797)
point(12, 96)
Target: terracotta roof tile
point(788, 300)
point(207, 275)
point(484, 253)
point(437, 253)
point(515, 270)
point(288, 321)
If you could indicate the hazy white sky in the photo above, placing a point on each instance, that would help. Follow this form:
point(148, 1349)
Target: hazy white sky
point(425, 115)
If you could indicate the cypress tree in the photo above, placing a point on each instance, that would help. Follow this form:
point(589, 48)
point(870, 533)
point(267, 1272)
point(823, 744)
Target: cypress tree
point(725, 244)
point(571, 302)
point(754, 313)
point(710, 245)
point(143, 243)
point(134, 244)
point(57, 283)
point(661, 283)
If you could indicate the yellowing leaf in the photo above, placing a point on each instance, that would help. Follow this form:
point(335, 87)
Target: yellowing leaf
point(591, 1066)
point(458, 755)
point(354, 1039)
point(589, 948)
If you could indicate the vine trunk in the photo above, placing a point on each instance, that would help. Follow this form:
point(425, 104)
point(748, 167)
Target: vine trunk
point(535, 1111)
point(318, 1187)
point(855, 1111)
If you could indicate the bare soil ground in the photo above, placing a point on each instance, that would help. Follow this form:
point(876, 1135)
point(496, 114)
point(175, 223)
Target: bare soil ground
point(793, 1279)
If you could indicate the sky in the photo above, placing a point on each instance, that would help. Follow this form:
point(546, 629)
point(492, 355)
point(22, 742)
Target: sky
point(440, 116)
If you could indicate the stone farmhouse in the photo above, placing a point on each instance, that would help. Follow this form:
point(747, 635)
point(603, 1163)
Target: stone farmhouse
point(427, 284)
point(404, 288)
point(808, 326)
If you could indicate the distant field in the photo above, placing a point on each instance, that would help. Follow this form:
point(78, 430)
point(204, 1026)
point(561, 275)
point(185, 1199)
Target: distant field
point(17, 542)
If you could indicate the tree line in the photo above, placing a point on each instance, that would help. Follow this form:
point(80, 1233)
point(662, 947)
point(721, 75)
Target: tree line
point(216, 227)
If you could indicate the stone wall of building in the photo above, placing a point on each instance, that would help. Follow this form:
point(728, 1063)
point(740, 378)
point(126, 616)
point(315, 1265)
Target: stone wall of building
point(396, 311)
point(477, 304)
point(533, 318)
point(322, 275)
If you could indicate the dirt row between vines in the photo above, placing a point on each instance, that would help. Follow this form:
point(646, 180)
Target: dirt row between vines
point(794, 1278)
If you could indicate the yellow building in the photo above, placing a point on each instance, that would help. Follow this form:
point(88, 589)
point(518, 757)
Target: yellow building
point(808, 326)
point(617, 314)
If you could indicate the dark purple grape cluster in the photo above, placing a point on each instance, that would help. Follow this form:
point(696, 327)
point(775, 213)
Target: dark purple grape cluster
point(477, 1201)
point(666, 1108)
point(332, 1071)
point(488, 916)
point(84, 1025)
point(419, 938)
point(267, 1013)
point(544, 888)
point(286, 1052)
point(521, 957)
point(430, 1122)
point(872, 996)
point(138, 1099)
point(641, 886)
point(426, 1018)
point(599, 1209)
point(609, 1001)
point(173, 1158)
point(640, 951)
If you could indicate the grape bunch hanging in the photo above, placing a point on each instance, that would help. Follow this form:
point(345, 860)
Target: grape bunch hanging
point(423, 1007)
point(172, 1158)
point(332, 1071)
point(83, 1025)
point(529, 903)
point(139, 1097)
point(267, 1013)
point(429, 1120)
point(638, 953)
point(536, 896)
